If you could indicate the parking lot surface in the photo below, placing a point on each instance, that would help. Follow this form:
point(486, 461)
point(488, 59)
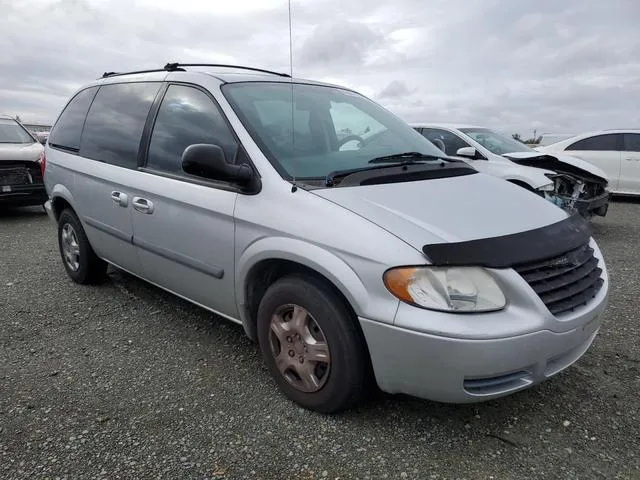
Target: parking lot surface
point(126, 381)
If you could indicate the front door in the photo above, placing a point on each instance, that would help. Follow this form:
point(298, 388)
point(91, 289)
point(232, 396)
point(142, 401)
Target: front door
point(183, 225)
point(630, 169)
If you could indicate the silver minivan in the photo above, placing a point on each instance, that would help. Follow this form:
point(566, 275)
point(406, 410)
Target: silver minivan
point(344, 242)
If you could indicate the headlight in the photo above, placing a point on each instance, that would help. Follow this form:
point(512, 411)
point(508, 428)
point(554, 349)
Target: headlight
point(447, 289)
point(549, 187)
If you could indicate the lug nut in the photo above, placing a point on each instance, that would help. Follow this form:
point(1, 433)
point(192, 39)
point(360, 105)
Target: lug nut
point(289, 339)
point(301, 359)
point(291, 353)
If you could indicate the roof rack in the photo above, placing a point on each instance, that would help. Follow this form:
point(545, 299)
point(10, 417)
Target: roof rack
point(178, 67)
point(114, 74)
point(172, 67)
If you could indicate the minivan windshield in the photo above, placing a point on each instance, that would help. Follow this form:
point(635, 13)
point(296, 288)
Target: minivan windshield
point(330, 129)
point(496, 143)
point(12, 132)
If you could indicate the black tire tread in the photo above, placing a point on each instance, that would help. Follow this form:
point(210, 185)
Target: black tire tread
point(317, 288)
point(92, 268)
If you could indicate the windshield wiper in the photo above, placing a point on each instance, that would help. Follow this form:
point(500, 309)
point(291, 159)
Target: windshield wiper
point(405, 158)
point(332, 176)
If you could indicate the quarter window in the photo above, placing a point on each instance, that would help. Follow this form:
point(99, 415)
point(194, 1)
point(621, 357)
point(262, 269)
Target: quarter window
point(68, 129)
point(632, 142)
point(187, 116)
point(115, 122)
point(599, 142)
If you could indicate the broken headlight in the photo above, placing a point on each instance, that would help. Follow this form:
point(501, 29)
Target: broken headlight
point(447, 289)
point(547, 187)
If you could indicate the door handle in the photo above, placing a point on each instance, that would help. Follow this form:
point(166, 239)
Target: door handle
point(143, 205)
point(119, 198)
point(631, 159)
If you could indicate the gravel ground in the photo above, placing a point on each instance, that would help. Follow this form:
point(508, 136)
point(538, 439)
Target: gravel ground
point(126, 381)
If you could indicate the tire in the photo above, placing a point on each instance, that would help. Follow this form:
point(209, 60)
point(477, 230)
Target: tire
point(90, 269)
point(344, 377)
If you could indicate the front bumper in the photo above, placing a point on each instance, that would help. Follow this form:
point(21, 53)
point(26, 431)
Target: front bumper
point(22, 195)
point(454, 370)
point(594, 206)
point(464, 358)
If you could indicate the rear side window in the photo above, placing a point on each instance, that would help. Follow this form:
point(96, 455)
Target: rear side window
point(114, 125)
point(187, 116)
point(598, 142)
point(632, 142)
point(68, 129)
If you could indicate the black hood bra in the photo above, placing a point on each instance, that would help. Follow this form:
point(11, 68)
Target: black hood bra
point(514, 249)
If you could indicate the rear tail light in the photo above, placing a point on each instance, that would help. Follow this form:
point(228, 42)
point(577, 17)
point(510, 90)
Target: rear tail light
point(43, 163)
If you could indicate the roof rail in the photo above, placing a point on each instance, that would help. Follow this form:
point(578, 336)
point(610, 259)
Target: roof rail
point(172, 67)
point(178, 67)
point(115, 74)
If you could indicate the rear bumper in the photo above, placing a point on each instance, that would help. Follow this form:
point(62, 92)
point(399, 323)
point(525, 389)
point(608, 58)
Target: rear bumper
point(48, 207)
point(23, 195)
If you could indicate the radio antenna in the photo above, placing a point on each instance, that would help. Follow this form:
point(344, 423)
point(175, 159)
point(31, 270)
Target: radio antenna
point(293, 136)
point(290, 43)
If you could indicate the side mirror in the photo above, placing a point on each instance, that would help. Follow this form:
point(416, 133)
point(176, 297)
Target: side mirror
point(208, 161)
point(468, 152)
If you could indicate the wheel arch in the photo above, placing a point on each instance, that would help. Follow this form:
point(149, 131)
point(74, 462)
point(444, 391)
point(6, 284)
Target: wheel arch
point(269, 259)
point(61, 198)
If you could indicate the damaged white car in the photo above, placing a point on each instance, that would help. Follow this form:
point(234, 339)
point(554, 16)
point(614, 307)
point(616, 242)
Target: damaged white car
point(566, 181)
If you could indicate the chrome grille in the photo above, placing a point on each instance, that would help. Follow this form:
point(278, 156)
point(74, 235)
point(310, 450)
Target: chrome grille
point(565, 282)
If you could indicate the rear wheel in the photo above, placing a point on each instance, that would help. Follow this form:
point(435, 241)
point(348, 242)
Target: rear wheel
point(310, 343)
point(78, 258)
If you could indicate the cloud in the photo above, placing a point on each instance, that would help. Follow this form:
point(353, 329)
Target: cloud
point(570, 65)
point(395, 89)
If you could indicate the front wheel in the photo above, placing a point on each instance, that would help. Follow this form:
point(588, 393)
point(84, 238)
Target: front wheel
point(311, 344)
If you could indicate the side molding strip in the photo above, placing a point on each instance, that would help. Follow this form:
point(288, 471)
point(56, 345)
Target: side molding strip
point(190, 262)
point(108, 229)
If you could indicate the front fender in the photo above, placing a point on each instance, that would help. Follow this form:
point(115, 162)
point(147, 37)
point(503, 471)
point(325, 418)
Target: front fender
point(312, 256)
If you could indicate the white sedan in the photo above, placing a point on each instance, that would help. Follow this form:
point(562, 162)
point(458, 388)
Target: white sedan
point(569, 182)
point(617, 152)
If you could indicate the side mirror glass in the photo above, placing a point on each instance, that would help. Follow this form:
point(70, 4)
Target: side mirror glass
point(208, 161)
point(467, 152)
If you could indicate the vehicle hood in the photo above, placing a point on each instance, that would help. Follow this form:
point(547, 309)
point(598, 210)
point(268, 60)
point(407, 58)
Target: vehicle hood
point(20, 152)
point(546, 161)
point(454, 209)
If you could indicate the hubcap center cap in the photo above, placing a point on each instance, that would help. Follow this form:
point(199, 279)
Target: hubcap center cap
point(299, 346)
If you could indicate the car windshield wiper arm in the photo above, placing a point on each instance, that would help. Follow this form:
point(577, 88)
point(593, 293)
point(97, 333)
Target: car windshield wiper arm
point(405, 157)
point(329, 180)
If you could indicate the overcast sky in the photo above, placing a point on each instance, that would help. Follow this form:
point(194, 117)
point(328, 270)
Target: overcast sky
point(559, 66)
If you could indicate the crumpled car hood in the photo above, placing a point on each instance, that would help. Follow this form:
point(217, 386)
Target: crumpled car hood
point(447, 209)
point(20, 152)
point(568, 159)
